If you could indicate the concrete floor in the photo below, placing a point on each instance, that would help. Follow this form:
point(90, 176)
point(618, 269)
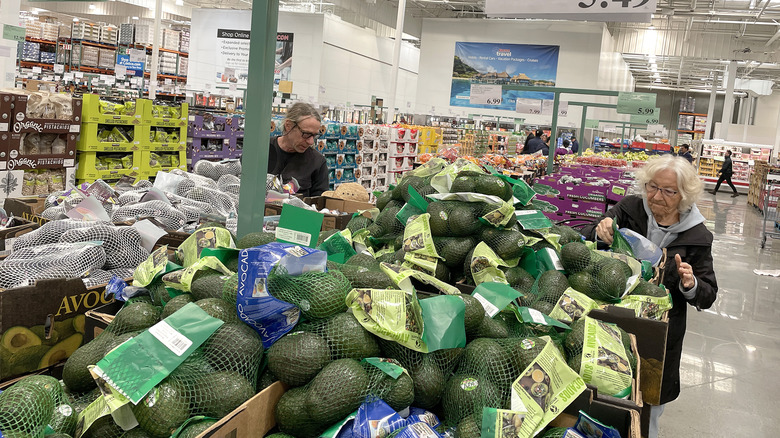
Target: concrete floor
point(731, 355)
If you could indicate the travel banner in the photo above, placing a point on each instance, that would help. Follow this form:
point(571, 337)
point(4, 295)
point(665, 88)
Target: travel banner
point(487, 75)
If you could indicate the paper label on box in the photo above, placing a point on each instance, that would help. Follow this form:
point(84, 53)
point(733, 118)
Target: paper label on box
point(75, 128)
point(172, 339)
point(69, 162)
point(37, 70)
point(2, 165)
point(79, 74)
point(293, 236)
point(59, 68)
point(3, 127)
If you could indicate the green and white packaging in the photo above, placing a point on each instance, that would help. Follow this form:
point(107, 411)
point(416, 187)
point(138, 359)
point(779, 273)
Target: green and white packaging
point(182, 278)
point(442, 181)
point(573, 305)
point(485, 265)
point(604, 360)
point(209, 237)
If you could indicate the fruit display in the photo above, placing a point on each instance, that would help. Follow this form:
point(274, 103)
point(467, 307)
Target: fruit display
point(504, 303)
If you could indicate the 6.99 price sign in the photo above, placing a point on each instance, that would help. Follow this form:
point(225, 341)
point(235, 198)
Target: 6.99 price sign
point(485, 94)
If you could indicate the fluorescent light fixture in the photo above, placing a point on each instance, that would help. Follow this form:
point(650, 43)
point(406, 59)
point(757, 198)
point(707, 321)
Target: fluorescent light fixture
point(654, 68)
point(651, 27)
point(75, 20)
point(135, 18)
point(92, 7)
point(34, 12)
point(179, 2)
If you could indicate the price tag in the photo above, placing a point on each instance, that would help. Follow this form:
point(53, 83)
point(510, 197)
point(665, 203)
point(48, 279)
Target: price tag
point(650, 120)
point(67, 76)
point(59, 68)
point(120, 71)
point(528, 106)
point(547, 108)
point(37, 70)
point(485, 94)
point(168, 81)
point(633, 103)
point(79, 74)
point(137, 55)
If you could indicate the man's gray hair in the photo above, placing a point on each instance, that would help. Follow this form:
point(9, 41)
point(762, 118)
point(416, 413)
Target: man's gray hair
point(299, 111)
point(688, 183)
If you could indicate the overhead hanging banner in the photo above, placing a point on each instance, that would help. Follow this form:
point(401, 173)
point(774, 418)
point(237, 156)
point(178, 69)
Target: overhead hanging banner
point(586, 10)
point(639, 104)
point(232, 56)
point(487, 75)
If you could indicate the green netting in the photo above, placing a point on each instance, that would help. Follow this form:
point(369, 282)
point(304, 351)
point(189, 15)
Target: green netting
point(548, 289)
point(318, 294)
point(230, 289)
point(649, 289)
point(324, 235)
point(609, 277)
point(454, 249)
point(357, 223)
point(207, 283)
point(567, 233)
point(32, 404)
point(520, 279)
point(485, 375)
point(255, 239)
point(575, 257)
point(555, 432)
point(456, 218)
point(194, 429)
point(370, 277)
point(507, 244)
point(175, 304)
point(468, 181)
point(345, 337)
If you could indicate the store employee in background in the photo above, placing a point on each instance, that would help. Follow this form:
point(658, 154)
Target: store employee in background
point(292, 155)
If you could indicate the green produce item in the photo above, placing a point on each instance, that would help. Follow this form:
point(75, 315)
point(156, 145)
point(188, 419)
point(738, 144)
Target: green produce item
point(336, 391)
point(649, 289)
point(550, 287)
point(193, 430)
point(583, 282)
point(103, 427)
point(470, 427)
point(567, 233)
point(231, 344)
point(610, 277)
point(279, 435)
point(383, 199)
point(357, 223)
point(324, 235)
point(319, 295)
point(163, 410)
point(495, 327)
point(429, 381)
point(397, 393)
point(175, 304)
point(112, 341)
point(466, 394)
point(230, 289)
point(26, 409)
point(39, 331)
point(75, 374)
point(363, 260)
point(575, 257)
point(345, 336)
point(298, 357)
point(266, 379)
point(454, 249)
point(597, 352)
point(135, 317)
point(293, 414)
point(158, 293)
point(475, 313)
point(387, 223)
point(252, 240)
point(207, 285)
point(232, 262)
point(218, 394)
point(365, 277)
point(519, 279)
point(482, 183)
point(555, 432)
point(64, 419)
point(507, 244)
point(140, 299)
point(401, 191)
point(218, 308)
point(17, 338)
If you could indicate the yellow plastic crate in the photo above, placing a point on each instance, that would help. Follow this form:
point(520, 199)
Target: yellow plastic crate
point(89, 167)
point(89, 141)
point(147, 169)
point(90, 112)
point(149, 116)
point(426, 149)
point(147, 144)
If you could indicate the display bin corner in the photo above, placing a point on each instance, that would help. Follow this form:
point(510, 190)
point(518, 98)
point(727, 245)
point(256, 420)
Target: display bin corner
point(90, 112)
point(151, 115)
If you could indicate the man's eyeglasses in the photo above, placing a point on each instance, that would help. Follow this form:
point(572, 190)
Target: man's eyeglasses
point(651, 188)
point(307, 135)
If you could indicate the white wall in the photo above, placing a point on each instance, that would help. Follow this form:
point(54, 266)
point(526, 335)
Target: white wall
point(307, 54)
point(613, 74)
point(9, 14)
point(766, 127)
point(579, 60)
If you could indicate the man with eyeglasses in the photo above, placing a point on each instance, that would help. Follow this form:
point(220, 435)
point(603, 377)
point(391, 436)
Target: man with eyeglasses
point(666, 214)
point(291, 154)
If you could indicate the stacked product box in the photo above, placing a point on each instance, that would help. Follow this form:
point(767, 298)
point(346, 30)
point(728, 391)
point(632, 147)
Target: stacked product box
point(183, 66)
point(38, 142)
point(106, 58)
point(184, 45)
point(33, 29)
point(163, 137)
point(170, 39)
point(371, 174)
point(85, 31)
point(237, 142)
point(168, 63)
point(143, 34)
point(89, 55)
point(209, 137)
point(108, 34)
point(48, 57)
point(402, 151)
point(126, 33)
point(30, 51)
point(50, 31)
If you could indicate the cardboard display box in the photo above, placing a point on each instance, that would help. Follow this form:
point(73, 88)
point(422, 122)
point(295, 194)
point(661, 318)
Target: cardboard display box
point(624, 419)
point(97, 319)
point(13, 146)
point(16, 227)
point(346, 207)
point(25, 312)
point(254, 418)
point(22, 123)
point(26, 208)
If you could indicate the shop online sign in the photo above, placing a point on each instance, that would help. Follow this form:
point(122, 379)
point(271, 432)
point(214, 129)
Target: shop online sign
point(590, 10)
point(134, 68)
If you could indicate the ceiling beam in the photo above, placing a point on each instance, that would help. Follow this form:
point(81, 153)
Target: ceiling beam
point(774, 37)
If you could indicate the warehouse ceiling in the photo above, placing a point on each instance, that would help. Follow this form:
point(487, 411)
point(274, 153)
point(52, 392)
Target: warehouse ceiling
point(687, 46)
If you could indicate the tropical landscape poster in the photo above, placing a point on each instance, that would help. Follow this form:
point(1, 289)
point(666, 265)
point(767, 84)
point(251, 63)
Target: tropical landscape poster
point(507, 65)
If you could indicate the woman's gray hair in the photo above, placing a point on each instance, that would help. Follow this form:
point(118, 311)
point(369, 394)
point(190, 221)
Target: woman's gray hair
point(299, 111)
point(688, 183)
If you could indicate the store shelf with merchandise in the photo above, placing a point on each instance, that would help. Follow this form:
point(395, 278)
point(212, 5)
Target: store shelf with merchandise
point(744, 157)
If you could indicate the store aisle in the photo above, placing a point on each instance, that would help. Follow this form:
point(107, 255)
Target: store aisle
point(731, 351)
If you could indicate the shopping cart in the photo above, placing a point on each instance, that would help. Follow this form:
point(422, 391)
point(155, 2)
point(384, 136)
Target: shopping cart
point(771, 218)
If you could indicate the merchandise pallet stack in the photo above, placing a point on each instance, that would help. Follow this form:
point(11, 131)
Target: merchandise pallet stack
point(430, 140)
point(402, 152)
point(757, 183)
point(38, 147)
point(339, 145)
point(213, 137)
point(135, 139)
point(372, 158)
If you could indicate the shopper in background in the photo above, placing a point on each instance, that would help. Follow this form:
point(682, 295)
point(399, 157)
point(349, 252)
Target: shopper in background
point(685, 152)
point(536, 143)
point(545, 145)
point(725, 173)
point(291, 154)
point(575, 146)
point(666, 214)
point(564, 149)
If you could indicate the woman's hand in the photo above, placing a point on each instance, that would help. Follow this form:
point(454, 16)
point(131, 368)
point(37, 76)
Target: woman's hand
point(685, 271)
point(604, 230)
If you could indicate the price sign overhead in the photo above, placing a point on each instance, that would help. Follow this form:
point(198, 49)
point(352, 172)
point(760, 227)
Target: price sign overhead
point(485, 94)
point(639, 104)
point(652, 117)
point(585, 10)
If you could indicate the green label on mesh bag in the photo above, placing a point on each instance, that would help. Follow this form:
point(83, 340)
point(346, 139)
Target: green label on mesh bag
point(157, 263)
point(548, 260)
point(572, 305)
point(432, 167)
point(182, 279)
point(484, 265)
point(138, 365)
point(502, 423)
point(442, 181)
point(391, 314)
point(647, 306)
point(418, 238)
point(500, 216)
point(338, 244)
point(387, 366)
point(420, 262)
point(532, 220)
point(402, 275)
point(359, 240)
point(528, 315)
point(210, 237)
point(223, 254)
point(407, 211)
point(118, 404)
point(604, 360)
point(520, 190)
point(552, 238)
point(494, 297)
point(90, 415)
point(444, 322)
point(544, 390)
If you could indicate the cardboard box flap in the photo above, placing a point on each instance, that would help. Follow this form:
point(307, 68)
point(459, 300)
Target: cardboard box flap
point(253, 418)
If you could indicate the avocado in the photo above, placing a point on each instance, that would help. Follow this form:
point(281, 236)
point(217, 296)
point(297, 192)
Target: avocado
point(266, 379)
point(75, 373)
point(429, 383)
point(232, 261)
point(219, 393)
point(519, 278)
point(64, 419)
point(324, 235)
point(207, 286)
point(336, 391)
point(194, 429)
point(397, 393)
point(551, 285)
point(495, 328)
point(135, 432)
point(470, 427)
point(163, 410)
point(488, 357)
point(610, 280)
point(493, 185)
point(219, 308)
point(567, 233)
point(134, 317)
point(61, 350)
point(252, 240)
point(575, 257)
point(293, 416)
point(298, 357)
point(230, 289)
point(357, 223)
point(467, 393)
point(363, 260)
point(649, 289)
point(464, 219)
point(17, 338)
point(318, 294)
point(26, 409)
point(582, 282)
point(440, 220)
point(115, 341)
point(525, 351)
point(463, 184)
point(103, 427)
point(348, 339)
point(507, 244)
point(383, 199)
point(175, 304)
point(475, 313)
point(233, 346)
point(454, 249)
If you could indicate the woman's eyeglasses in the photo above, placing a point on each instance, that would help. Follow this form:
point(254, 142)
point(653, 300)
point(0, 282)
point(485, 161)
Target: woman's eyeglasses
point(651, 188)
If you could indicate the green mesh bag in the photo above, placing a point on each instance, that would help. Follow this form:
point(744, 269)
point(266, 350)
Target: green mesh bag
point(230, 289)
point(548, 289)
point(175, 304)
point(481, 183)
point(194, 429)
point(358, 222)
point(575, 257)
point(567, 233)
point(369, 277)
point(555, 432)
point(456, 218)
point(345, 337)
point(319, 295)
point(255, 239)
point(454, 249)
point(609, 277)
point(27, 408)
point(297, 357)
point(507, 244)
point(324, 235)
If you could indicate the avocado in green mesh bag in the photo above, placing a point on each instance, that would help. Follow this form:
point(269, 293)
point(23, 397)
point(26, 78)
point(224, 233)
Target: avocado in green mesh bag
point(507, 244)
point(318, 294)
point(383, 199)
point(297, 357)
point(567, 234)
point(358, 222)
point(26, 409)
point(466, 394)
point(251, 240)
point(163, 410)
point(454, 249)
point(519, 279)
point(345, 337)
point(575, 257)
point(175, 304)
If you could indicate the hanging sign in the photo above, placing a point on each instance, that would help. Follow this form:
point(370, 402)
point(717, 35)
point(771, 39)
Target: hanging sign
point(528, 106)
point(592, 124)
point(585, 10)
point(547, 108)
point(485, 94)
point(652, 119)
point(640, 104)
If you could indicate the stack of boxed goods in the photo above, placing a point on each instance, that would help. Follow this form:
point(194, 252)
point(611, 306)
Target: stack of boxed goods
point(183, 65)
point(50, 31)
point(210, 137)
point(30, 51)
point(372, 170)
point(106, 58)
point(170, 39)
point(108, 34)
point(33, 29)
point(430, 139)
point(134, 138)
point(143, 34)
point(185, 41)
point(237, 142)
point(582, 191)
point(48, 57)
point(402, 152)
point(90, 56)
point(126, 33)
point(339, 145)
point(40, 143)
point(85, 31)
point(168, 63)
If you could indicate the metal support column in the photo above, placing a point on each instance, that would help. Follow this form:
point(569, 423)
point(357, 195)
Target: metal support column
point(399, 32)
point(259, 97)
point(622, 137)
point(711, 109)
point(728, 104)
point(582, 129)
point(553, 129)
point(155, 51)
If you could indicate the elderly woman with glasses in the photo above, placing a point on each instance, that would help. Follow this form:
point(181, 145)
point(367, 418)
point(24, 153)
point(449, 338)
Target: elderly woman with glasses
point(666, 214)
point(291, 154)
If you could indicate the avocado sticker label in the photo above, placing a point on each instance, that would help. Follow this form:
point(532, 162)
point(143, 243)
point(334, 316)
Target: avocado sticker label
point(527, 344)
point(469, 384)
